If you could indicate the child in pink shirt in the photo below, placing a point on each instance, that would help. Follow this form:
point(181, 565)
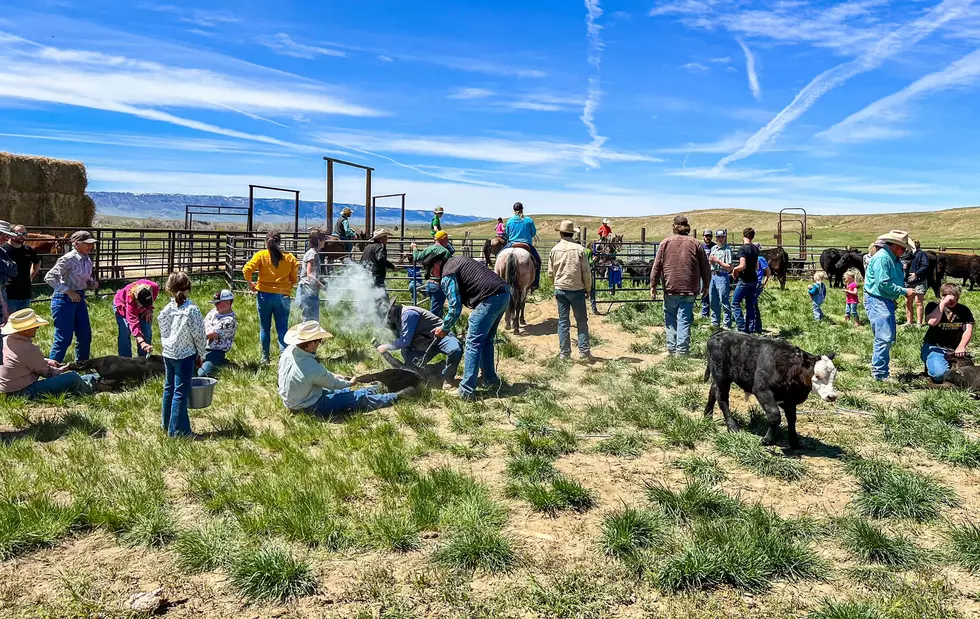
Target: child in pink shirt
point(851, 297)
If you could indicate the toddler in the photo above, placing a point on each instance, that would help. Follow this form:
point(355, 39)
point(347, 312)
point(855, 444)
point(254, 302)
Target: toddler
point(851, 297)
point(818, 294)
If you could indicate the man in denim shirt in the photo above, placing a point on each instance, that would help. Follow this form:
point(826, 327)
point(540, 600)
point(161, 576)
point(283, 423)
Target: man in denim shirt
point(883, 285)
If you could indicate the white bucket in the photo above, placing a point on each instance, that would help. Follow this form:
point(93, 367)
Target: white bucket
point(202, 392)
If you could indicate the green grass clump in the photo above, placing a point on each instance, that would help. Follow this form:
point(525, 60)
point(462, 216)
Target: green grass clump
point(889, 491)
point(272, 574)
point(873, 544)
point(556, 494)
point(745, 449)
point(696, 500)
point(544, 442)
point(477, 547)
point(920, 428)
point(701, 468)
point(33, 523)
point(624, 444)
point(963, 541)
point(848, 610)
point(439, 490)
point(392, 529)
point(530, 468)
point(207, 547)
point(577, 594)
point(630, 531)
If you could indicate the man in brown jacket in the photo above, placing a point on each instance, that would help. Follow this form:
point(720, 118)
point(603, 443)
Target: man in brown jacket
point(683, 267)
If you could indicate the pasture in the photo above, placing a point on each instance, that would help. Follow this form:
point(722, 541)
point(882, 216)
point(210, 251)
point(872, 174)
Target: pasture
point(576, 491)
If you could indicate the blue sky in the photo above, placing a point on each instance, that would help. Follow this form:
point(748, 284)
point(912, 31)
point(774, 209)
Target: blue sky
point(600, 107)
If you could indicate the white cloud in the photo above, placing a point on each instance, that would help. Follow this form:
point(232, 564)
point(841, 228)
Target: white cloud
point(471, 93)
point(591, 154)
point(385, 59)
point(200, 17)
point(750, 70)
point(895, 42)
point(683, 7)
point(282, 43)
point(543, 102)
point(873, 122)
point(156, 142)
point(695, 67)
point(720, 147)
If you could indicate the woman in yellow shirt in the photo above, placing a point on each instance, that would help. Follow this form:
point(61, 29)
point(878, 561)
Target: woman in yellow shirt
point(278, 273)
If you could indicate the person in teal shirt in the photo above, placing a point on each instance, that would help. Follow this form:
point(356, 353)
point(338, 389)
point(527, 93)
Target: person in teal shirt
point(520, 229)
point(883, 284)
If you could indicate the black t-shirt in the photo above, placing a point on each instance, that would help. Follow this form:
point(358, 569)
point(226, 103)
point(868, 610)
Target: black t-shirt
point(751, 254)
point(19, 288)
point(949, 331)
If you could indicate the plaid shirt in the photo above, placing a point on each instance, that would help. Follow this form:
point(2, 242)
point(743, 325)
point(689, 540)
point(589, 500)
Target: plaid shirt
point(73, 271)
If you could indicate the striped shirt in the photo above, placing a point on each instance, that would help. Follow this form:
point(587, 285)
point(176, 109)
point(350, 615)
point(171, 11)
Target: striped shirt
point(72, 272)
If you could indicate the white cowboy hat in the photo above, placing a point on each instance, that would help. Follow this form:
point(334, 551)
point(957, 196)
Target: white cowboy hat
point(22, 320)
point(605, 221)
point(380, 232)
point(896, 237)
point(309, 331)
point(5, 229)
point(567, 226)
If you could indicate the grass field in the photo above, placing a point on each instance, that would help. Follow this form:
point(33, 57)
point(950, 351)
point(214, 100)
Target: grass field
point(577, 491)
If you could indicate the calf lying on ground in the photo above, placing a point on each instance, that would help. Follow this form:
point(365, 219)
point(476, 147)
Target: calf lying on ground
point(777, 373)
point(117, 372)
point(963, 377)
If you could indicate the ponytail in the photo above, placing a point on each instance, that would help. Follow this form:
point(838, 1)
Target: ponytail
point(179, 285)
point(272, 241)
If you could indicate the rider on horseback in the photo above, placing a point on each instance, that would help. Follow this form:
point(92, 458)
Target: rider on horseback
point(344, 231)
point(604, 230)
point(436, 224)
point(520, 229)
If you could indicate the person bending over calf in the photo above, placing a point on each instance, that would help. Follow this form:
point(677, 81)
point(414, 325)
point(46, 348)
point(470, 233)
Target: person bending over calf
point(416, 341)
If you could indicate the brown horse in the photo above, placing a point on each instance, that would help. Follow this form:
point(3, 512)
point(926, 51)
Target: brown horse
point(492, 247)
point(516, 267)
point(46, 243)
point(334, 248)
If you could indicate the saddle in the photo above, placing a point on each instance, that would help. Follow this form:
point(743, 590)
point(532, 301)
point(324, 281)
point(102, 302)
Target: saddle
point(523, 246)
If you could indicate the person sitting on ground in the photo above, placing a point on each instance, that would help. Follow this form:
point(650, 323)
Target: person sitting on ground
point(683, 267)
point(500, 230)
point(28, 266)
point(521, 229)
point(134, 316)
point(184, 346)
point(25, 371)
point(308, 291)
point(305, 386)
point(568, 267)
point(950, 330)
point(435, 225)
point(916, 278)
point(416, 342)
point(605, 229)
point(851, 297)
point(431, 259)
point(375, 257)
point(220, 326)
point(818, 294)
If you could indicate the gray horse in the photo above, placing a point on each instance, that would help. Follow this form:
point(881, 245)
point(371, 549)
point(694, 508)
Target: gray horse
point(516, 267)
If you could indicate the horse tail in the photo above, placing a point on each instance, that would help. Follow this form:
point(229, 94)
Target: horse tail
point(486, 252)
point(512, 273)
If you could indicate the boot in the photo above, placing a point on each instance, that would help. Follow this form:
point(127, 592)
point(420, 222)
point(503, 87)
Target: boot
point(407, 392)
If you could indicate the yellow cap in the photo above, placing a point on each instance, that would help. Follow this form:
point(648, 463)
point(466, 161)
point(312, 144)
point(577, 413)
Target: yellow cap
point(442, 234)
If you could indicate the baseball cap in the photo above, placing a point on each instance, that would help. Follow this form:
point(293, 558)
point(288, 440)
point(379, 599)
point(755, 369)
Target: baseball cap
point(82, 237)
point(222, 295)
point(721, 232)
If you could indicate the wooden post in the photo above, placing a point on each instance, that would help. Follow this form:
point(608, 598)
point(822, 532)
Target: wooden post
point(329, 197)
point(643, 235)
point(171, 242)
point(369, 215)
point(403, 226)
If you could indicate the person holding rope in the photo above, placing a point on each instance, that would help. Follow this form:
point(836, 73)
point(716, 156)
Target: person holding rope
point(25, 371)
point(521, 229)
point(950, 331)
point(278, 273)
point(431, 259)
point(605, 230)
point(467, 282)
point(417, 343)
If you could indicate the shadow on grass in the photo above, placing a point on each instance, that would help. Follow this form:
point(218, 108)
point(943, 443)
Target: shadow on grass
point(548, 327)
point(815, 448)
point(48, 430)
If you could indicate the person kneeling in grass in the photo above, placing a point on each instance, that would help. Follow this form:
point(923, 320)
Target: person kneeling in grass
point(305, 386)
point(25, 371)
point(950, 330)
point(220, 326)
point(416, 342)
point(184, 345)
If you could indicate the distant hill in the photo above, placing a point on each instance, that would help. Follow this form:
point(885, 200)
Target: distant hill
point(268, 210)
point(949, 228)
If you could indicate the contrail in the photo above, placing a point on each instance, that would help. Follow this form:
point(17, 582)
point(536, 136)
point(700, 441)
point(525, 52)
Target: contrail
point(897, 41)
point(750, 70)
point(590, 156)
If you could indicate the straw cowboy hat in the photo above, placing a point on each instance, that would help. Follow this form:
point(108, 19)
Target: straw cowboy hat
point(567, 227)
point(5, 229)
point(896, 237)
point(380, 232)
point(309, 331)
point(346, 211)
point(605, 221)
point(22, 320)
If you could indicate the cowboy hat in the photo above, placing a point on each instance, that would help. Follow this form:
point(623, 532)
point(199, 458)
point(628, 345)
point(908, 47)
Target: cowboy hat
point(567, 227)
point(896, 237)
point(346, 211)
point(5, 229)
point(309, 331)
point(380, 232)
point(605, 221)
point(22, 320)
point(439, 210)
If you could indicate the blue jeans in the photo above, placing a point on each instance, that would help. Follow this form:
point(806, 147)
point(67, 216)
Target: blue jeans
point(705, 306)
point(176, 395)
point(213, 360)
point(851, 309)
point(437, 298)
point(69, 382)
point(678, 316)
point(935, 359)
point(881, 315)
point(480, 336)
point(309, 304)
point(721, 287)
point(817, 310)
point(15, 305)
point(272, 305)
point(537, 263)
point(346, 400)
point(747, 292)
point(448, 346)
point(70, 321)
point(573, 300)
point(125, 344)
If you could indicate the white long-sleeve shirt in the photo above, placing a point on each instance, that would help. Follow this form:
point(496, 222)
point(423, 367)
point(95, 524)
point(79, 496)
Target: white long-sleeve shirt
point(182, 331)
point(302, 379)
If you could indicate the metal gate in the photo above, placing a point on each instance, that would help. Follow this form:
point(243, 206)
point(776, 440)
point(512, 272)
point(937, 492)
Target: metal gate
point(619, 269)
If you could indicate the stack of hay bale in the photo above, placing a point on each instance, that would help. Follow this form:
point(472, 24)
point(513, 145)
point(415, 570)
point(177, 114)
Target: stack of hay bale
point(37, 191)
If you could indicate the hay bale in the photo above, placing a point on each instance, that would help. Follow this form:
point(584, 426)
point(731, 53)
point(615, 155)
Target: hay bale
point(41, 175)
point(46, 209)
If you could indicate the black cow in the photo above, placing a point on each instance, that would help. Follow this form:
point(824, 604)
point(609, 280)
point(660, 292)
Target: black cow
point(778, 261)
point(953, 265)
point(639, 271)
point(777, 373)
point(117, 372)
point(835, 262)
point(964, 377)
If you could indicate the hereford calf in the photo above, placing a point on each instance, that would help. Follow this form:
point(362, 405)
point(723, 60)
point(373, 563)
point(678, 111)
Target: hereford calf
point(777, 373)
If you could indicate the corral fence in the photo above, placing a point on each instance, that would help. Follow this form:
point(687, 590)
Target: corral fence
point(621, 268)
